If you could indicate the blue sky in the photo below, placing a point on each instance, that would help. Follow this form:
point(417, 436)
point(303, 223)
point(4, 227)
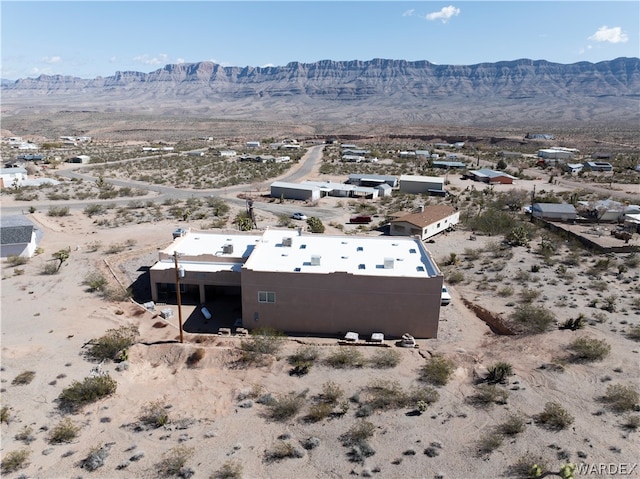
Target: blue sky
point(93, 38)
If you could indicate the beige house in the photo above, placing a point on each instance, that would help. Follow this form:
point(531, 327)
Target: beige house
point(310, 284)
point(426, 223)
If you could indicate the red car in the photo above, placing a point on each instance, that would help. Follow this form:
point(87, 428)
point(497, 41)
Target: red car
point(361, 219)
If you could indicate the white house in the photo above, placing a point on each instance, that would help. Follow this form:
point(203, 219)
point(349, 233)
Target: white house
point(253, 144)
point(10, 177)
point(554, 211)
point(18, 236)
point(295, 191)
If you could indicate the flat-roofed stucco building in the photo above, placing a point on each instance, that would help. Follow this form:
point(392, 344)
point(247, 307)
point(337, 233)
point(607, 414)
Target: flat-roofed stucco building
point(313, 284)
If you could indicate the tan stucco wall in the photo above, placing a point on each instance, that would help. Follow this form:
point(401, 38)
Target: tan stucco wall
point(340, 302)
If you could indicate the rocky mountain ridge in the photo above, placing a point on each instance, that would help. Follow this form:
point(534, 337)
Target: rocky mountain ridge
point(396, 91)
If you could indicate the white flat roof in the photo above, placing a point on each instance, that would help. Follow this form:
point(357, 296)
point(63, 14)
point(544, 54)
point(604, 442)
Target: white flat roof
point(201, 243)
point(367, 256)
point(430, 179)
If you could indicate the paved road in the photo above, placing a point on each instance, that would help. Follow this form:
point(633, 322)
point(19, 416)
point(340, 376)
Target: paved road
point(308, 164)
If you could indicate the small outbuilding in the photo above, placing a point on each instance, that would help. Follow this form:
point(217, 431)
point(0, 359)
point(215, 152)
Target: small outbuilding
point(421, 184)
point(82, 159)
point(491, 176)
point(18, 236)
point(554, 211)
point(598, 166)
point(426, 223)
point(364, 179)
point(10, 177)
point(295, 191)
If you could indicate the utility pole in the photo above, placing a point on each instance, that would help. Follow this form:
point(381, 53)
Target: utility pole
point(179, 273)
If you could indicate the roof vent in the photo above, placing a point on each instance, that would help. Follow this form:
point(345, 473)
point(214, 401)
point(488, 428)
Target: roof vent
point(388, 263)
point(227, 248)
point(315, 260)
point(286, 241)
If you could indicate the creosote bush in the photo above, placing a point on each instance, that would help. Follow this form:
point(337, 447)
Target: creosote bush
point(588, 349)
point(84, 392)
point(620, 398)
point(154, 414)
point(5, 415)
point(114, 344)
point(65, 431)
point(529, 319)
point(24, 378)
point(437, 370)
point(344, 358)
point(302, 360)
point(283, 450)
point(513, 425)
point(385, 359)
point(262, 343)
point(554, 417)
point(229, 470)
point(633, 333)
point(488, 394)
point(14, 460)
point(286, 406)
point(174, 460)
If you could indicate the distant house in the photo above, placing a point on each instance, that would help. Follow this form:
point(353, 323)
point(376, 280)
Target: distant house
point(10, 177)
point(253, 144)
point(598, 166)
point(606, 210)
point(426, 223)
point(554, 211)
point(227, 153)
point(18, 236)
point(601, 155)
point(195, 153)
point(573, 167)
point(384, 189)
point(448, 164)
point(420, 184)
point(82, 159)
point(352, 158)
point(295, 191)
point(364, 179)
point(491, 176)
point(556, 153)
point(344, 190)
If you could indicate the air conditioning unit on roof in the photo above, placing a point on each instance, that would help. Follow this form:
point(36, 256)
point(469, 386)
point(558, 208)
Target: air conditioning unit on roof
point(227, 248)
point(286, 241)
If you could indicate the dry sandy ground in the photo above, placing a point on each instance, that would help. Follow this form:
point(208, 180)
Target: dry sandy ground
point(46, 321)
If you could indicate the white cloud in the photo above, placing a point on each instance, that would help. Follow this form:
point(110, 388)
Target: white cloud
point(113, 59)
point(445, 14)
point(610, 35)
point(149, 60)
point(51, 60)
point(409, 13)
point(180, 60)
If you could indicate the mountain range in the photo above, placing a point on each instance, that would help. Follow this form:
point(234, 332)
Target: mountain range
point(519, 92)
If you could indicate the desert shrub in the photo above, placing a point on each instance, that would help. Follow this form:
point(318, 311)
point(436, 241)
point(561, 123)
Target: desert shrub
point(499, 372)
point(331, 393)
point(488, 394)
point(633, 333)
point(344, 358)
point(455, 277)
point(154, 414)
point(319, 411)
point(385, 359)
point(65, 431)
point(5, 415)
point(25, 435)
point(620, 398)
point(424, 394)
point(529, 319)
point(174, 460)
point(15, 460)
point(91, 389)
point(529, 467)
point(528, 295)
point(229, 470)
point(588, 349)
point(512, 426)
point(95, 281)
point(554, 417)
point(631, 422)
point(17, 260)
point(283, 450)
point(505, 292)
point(302, 360)
point(195, 357)
point(382, 394)
point(114, 344)
point(58, 211)
point(24, 378)
point(437, 371)
point(261, 343)
point(285, 407)
point(315, 225)
point(359, 432)
point(49, 268)
point(488, 443)
point(574, 323)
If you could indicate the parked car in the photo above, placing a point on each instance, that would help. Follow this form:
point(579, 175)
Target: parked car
point(299, 216)
point(445, 297)
point(180, 232)
point(361, 219)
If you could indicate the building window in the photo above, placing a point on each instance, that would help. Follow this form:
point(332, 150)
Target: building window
point(438, 226)
point(266, 297)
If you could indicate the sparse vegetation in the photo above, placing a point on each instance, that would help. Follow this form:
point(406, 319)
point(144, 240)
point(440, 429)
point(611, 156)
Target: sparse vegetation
point(229, 470)
point(620, 398)
point(154, 414)
point(489, 394)
point(283, 450)
point(437, 370)
point(24, 378)
point(195, 357)
point(65, 431)
point(302, 360)
point(588, 349)
point(499, 372)
point(15, 460)
point(529, 319)
point(5, 415)
point(262, 343)
point(113, 345)
point(84, 392)
point(385, 359)
point(174, 460)
point(554, 417)
point(344, 358)
point(285, 407)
